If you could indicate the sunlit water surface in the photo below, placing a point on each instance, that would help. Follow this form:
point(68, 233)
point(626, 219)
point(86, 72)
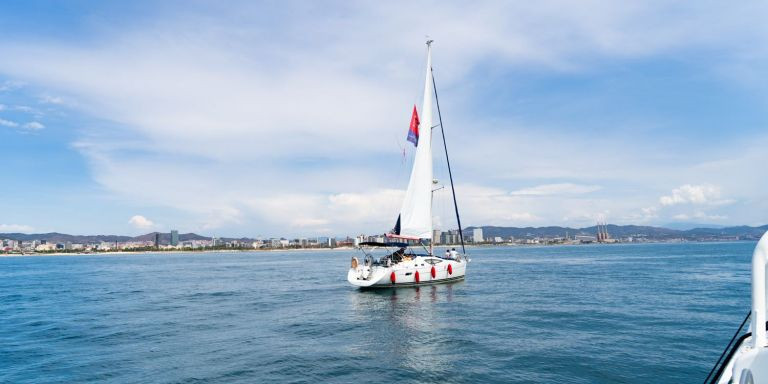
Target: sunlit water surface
point(655, 313)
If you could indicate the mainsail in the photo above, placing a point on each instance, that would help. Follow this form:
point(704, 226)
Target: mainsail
point(415, 219)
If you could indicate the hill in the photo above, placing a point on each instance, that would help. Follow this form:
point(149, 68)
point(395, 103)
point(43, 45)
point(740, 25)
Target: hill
point(618, 231)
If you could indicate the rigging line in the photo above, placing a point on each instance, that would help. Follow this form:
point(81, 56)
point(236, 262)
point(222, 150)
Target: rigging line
point(402, 149)
point(727, 347)
point(447, 160)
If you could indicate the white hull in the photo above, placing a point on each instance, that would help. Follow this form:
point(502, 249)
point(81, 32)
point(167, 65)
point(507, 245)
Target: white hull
point(406, 272)
point(747, 361)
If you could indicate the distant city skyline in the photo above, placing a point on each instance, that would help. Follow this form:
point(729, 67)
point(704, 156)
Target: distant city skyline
point(173, 241)
point(247, 119)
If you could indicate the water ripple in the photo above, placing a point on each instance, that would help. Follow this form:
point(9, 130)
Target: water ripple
point(653, 313)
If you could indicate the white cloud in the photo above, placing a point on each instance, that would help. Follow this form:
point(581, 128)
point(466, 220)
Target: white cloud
point(8, 123)
point(556, 189)
point(47, 99)
point(650, 212)
point(694, 194)
point(483, 205)
point(214, 102)
point(141, 222)
point(10, 85)
point(645, 215)
point(698, 215)
point(27, 109)
point(33, 126)
point(16, 228)
point(521, 217)
point(371, 211)
point(309, 222)
point(587, 216)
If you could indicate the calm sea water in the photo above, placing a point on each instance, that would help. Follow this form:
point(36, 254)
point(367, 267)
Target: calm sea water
point(656, 313)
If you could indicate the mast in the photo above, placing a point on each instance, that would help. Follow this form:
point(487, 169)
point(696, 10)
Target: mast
point(447, 160)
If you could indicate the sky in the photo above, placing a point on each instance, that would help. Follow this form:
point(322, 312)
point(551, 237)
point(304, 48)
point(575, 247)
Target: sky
point(289, 118)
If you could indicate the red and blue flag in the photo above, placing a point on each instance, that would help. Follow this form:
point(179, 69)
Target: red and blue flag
point(413, 130)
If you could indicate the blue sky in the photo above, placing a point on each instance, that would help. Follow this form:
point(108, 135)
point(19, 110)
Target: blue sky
point(290, 118)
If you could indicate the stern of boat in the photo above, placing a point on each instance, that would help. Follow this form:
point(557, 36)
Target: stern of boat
point(362, 275)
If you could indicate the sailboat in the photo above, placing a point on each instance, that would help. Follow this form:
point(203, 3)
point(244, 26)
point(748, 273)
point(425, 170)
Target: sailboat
point(745, 358)
point(409, 258)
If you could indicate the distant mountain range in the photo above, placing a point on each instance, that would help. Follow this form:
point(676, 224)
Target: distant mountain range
point(687, 226)
point(616, 231)
point(55, 237)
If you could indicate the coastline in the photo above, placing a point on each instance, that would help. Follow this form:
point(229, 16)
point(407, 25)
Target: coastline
point(175, 252)
point(282, 250)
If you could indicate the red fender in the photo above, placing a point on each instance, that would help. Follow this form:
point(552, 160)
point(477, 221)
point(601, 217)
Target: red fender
point(450, 269)
point(433, 272)
point(416, 276)
point(392, 277)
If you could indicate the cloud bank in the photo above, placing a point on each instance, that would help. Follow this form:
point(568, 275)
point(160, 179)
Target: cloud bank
point(16, 228)
point(296, 124)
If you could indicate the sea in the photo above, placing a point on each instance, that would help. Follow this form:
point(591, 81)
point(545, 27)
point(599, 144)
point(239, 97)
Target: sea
point(613, 313)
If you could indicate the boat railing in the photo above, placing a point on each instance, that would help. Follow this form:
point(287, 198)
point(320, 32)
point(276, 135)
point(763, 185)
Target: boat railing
point(728, 353)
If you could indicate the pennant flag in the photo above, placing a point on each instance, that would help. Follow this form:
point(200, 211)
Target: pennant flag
point(413, 130)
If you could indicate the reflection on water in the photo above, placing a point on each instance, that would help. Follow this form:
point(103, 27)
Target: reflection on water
point(399, 299)
point(406, 324)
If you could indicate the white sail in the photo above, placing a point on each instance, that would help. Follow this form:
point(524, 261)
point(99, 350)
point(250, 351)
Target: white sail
point(416, 212)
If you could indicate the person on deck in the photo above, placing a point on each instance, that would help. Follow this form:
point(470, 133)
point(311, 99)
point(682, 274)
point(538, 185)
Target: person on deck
point(454, 254)
point(447, 254)
point(397, 256)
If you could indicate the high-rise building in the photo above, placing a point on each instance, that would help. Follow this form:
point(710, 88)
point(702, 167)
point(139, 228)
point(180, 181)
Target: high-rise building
point(477, 235)
point(174, 237)
point(157, 239)
point(450, 237)
point(436, 236)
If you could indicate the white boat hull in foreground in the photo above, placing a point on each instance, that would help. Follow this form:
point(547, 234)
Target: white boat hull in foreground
point(747, 362)
point(422, 270)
